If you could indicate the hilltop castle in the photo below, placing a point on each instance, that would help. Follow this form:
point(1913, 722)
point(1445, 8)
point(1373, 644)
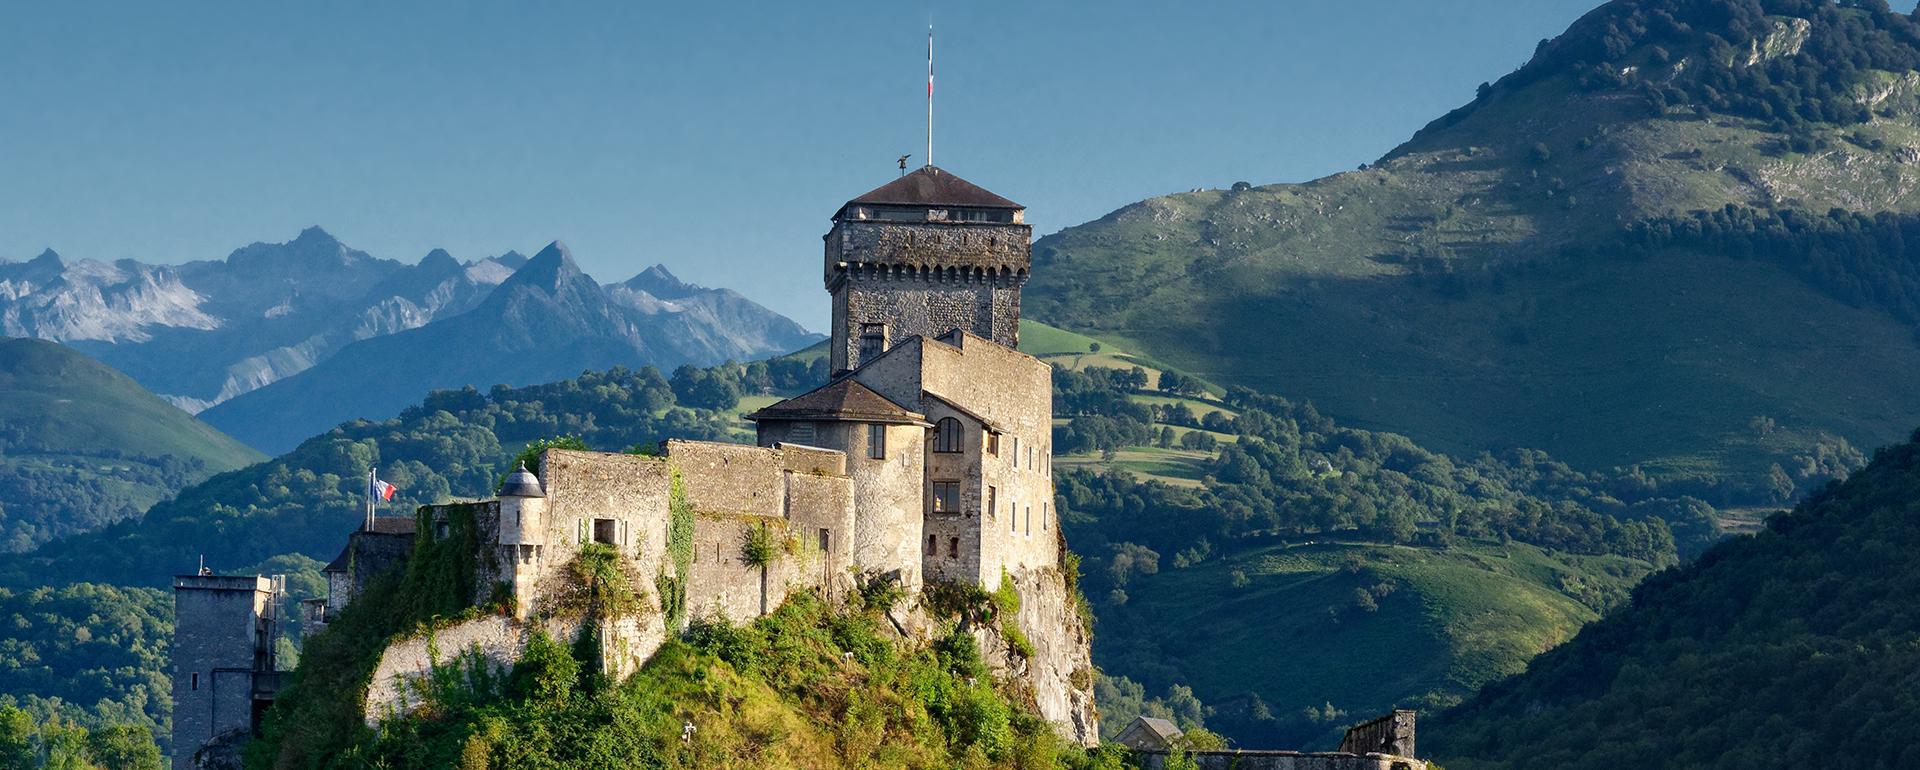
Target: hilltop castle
point(927, 458)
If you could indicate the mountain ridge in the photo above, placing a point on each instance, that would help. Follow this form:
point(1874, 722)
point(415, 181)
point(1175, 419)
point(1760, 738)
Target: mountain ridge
point(1478, 288)
point(207, 331)
point(547, 321)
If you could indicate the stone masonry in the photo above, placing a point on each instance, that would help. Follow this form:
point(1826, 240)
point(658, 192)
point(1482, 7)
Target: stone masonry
point(223, 665)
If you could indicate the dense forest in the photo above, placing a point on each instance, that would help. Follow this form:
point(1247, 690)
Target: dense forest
point(1864, 260)
point(1791, 648)
point(44, 496)
point(1735, 57)
point(1291, 472)
point(86, 654)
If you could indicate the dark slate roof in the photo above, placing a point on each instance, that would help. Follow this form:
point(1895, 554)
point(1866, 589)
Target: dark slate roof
point(931, 186)
point(991, 425)
point(339, 563)
point(522, 483)
point(844, 399)
point(393, 525)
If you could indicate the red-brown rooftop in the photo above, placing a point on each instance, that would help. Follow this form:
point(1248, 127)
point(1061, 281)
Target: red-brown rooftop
point(932, 186)
point(845, 400)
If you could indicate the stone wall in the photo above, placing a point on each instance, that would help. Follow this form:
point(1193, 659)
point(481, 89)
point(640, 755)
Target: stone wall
point(1000, 247)
point(888, 519)
point(801, 495)
point(1282, 760)
point(496, 640)
point(920, 306)
point(1389, 734)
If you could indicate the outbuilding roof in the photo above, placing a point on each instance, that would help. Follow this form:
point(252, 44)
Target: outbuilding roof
point(933, 186)
point(1147, 733)
point(844, 400)
point(339, 563)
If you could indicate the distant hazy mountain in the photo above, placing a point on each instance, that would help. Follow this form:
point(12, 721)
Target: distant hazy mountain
point(82, 445)
point(548, 321)
point(205, 332)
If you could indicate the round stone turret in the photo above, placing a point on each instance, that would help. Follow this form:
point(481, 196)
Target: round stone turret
point(523, 511)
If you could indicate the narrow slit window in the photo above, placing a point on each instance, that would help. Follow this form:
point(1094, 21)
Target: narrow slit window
point(953, 548)
point(873, 340)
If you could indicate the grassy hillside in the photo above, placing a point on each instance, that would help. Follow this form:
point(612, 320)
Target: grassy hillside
point(1266, 634)
point(1475, 289)
point(82, 445)
point(1794, 647)
point(1204, 561)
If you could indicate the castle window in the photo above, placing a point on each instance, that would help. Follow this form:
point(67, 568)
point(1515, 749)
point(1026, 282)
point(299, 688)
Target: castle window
point(826, 540)
point(1029, 519)
point(953, 548)
point(801, 433)
point(1016, 452)
point(933, 544)
point(993, 443)
point(947, 435)
point(877, 442)
point(993, 502)
point(196, 680)
point(606, 531)
point(441, 530)
point(946, 496)
point(873, 340)
point(1043, 516)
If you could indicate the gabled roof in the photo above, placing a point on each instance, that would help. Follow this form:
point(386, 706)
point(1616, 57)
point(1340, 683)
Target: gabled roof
point(339, 563)
point(1146, 733)
point(932, 186)
point(975, 416)
point(845, 400)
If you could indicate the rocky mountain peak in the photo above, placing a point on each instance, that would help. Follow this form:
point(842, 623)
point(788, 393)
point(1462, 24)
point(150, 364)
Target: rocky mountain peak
point(661, 283)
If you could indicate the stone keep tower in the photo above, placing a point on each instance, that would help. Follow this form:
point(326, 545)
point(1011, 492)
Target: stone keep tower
point(924, 255)
point(223, 664)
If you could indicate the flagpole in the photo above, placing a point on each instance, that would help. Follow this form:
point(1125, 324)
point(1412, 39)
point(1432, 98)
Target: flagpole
point(929, 94)
point(370, 477)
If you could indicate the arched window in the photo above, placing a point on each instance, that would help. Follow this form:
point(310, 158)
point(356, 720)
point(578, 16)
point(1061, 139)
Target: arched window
point(946, 435)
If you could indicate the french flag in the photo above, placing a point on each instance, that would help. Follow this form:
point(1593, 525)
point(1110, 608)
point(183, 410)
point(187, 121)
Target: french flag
point(384, 490)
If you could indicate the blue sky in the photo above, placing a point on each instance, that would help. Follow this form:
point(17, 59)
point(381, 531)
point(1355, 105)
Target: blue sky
point(715, 138)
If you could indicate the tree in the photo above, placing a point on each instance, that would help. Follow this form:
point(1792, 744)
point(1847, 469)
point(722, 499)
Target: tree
point(124, 746)
point(17, 749)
